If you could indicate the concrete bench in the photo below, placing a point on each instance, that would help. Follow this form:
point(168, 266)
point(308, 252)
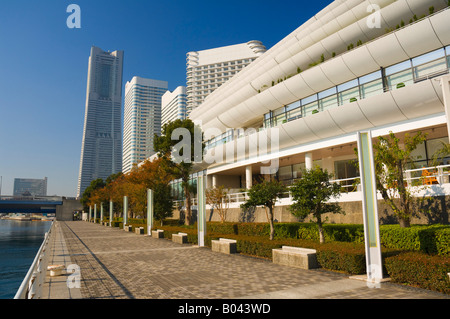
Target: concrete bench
point(223, 245)
point(128, 228)
point(56, 270)
point(158, 233)
point(295, 257)
point(139, 230)
point(180, 238)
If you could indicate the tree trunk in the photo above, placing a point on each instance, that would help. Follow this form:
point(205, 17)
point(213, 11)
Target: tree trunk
point(319, 226)
point(272, 229)
point(404, 222)
point(188, 214)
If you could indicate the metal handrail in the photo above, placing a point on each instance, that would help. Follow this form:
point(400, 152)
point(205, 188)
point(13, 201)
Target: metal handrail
point(31, 286)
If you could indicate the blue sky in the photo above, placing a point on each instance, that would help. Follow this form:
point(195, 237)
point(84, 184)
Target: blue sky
point(43, 65)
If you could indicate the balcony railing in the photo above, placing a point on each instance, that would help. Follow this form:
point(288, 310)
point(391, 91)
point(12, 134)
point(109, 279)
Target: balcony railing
point(421, 177)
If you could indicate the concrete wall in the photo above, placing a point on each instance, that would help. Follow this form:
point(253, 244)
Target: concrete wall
point(433, 212)
point(65, 211)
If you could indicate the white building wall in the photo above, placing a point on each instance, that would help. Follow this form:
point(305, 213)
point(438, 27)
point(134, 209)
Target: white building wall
point(142, 119)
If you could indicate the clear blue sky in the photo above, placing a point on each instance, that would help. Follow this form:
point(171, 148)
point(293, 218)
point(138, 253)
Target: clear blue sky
point(43, 65)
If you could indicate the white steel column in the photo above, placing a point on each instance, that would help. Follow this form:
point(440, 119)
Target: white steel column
point(308, 161)
point(214, 181)
point(445, 84)
point(248, 177)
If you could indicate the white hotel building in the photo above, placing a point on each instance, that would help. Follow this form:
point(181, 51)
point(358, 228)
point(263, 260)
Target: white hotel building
point(339, 73)
point(173, 105)
point(142, 119)
point(206, 70)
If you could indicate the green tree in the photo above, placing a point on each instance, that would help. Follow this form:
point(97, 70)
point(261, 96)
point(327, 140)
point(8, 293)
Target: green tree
point(163, 202)
point(311, 195)
point(180, 145)
point(96, 184)
point(391, 160)
point(265, 194)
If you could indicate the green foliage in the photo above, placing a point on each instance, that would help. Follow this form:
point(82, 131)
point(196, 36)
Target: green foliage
point(265, 194)
point(95, 184)
point(163, 202)
point(420, 270)
point(433, 239)
point(184, 151)
point(311, 194)
point(391, 160)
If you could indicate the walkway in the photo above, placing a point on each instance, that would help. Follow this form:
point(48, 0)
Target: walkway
point(119, 265)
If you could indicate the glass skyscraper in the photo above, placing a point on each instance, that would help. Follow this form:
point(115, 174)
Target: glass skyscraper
point(30, 187)
point(101, 151)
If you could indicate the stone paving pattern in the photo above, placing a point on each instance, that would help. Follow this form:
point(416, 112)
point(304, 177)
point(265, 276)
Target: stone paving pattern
point(119, 265)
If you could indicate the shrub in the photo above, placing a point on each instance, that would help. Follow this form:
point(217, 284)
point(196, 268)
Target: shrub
point(428, 239)
point(420, 270)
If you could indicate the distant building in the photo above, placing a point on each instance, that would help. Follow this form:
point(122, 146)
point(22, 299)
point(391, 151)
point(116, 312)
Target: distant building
point(173, 105)
point(30, 187)
point(209, 69)
point(142, 119)
point(101, 151)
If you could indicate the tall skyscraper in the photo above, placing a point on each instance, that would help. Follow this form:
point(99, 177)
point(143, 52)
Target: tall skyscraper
point(142, 119)
point(173, 105)
point(209, 69)
point(101, 151)
point(30, 187)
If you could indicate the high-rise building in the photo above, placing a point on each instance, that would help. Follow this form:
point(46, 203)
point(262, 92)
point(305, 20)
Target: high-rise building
point(101, 151)
point(209, 69)
point(30, 187)
point(142, 119)
point(173, 105)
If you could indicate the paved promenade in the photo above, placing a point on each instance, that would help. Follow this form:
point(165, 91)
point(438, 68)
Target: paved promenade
point(115, 264)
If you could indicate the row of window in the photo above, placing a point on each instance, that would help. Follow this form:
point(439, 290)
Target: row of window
point(387, 79)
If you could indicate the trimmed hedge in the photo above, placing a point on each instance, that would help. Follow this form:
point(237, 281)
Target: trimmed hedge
point(432, 239)
point(420, 270)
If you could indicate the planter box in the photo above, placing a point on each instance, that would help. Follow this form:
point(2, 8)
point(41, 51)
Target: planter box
point(180, 238)
point(223, 245)
point(158, 233)
point(295, 257)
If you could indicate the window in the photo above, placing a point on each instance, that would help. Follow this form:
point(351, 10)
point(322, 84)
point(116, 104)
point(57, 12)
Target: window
point(293, 111)
point(399, 75)
point(328, 99)
point(310, 105)
point(346, 170)
point(279, 116)
point(348, 92)
point(371, 84)
point(429, 64)
point(433, 146)
point(285, 173)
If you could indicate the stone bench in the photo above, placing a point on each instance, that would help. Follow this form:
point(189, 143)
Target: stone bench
point(139, 230)
point(56, 270)
point(158, 233)
point(223, 245)
point(128, 228)
point(295, 257)
point(180, 238)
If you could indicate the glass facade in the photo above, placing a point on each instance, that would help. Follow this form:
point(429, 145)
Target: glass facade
point(394, 77)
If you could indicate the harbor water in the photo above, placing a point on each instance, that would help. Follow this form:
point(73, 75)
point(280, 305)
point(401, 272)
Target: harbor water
point(19, 244)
